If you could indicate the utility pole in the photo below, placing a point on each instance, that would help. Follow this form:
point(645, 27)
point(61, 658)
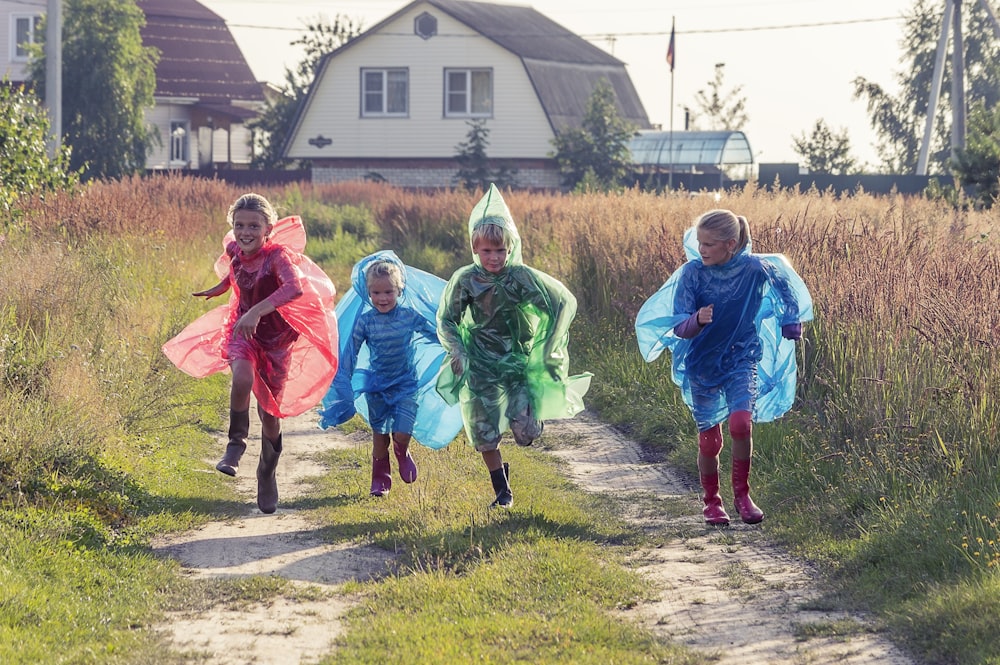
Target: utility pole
point(952, 17)
point(53, 73)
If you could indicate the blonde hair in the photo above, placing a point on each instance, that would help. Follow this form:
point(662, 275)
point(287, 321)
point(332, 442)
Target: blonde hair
point(495, 234)
point(726, 225)
point(383, 268)
point(254, 203)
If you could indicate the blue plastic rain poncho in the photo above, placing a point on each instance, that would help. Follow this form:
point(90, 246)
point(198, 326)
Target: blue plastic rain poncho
point(510, 332)
point(405, 364)
point(753, 296)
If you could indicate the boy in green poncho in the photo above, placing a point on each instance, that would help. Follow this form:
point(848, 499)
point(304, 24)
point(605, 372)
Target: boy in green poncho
point(505, 327)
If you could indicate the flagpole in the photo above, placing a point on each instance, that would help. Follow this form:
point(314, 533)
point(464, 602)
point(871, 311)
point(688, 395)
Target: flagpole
point(670, 59)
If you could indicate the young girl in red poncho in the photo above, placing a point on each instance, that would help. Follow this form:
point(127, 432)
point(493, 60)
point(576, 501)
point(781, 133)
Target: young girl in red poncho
point(277, 334)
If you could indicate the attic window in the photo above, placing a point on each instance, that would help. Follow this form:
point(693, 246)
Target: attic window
point(425, 26)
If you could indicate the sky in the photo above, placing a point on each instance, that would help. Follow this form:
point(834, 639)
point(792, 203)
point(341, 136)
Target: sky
point(792, 60)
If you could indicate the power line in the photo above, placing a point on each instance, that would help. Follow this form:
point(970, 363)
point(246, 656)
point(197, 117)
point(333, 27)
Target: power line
point(661, 33)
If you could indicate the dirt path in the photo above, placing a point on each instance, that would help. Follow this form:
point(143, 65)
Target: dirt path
point(723, 592)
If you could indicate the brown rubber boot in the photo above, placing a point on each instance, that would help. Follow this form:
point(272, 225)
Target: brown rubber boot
point(267, 483)
point(239, 429)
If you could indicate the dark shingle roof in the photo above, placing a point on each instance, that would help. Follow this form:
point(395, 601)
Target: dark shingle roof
point(198, 55)
point(525, 32)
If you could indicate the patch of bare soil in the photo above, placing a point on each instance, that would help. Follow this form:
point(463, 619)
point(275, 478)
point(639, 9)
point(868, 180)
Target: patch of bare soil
point(724, 592)
point(282, 631)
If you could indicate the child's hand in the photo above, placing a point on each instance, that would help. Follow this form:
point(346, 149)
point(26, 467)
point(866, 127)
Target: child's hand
point(705, 315)
point(246, 326)
point(792, 331)
point(554, 372)
point(458, 365)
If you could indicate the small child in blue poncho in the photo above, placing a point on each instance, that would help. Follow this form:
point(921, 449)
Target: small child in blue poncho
point(730, 319)
point(390, 356)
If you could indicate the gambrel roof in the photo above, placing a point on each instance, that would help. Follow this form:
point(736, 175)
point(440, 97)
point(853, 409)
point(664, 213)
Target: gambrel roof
point(562, 66)
point(198, 56)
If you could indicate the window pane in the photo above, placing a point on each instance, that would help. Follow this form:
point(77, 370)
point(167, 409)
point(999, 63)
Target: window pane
point(482, 93)
point(457, 101)
point(397, 91)
point(22, 35)
point(373, 93)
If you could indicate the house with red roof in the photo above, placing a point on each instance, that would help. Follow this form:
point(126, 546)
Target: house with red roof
point(205, 91)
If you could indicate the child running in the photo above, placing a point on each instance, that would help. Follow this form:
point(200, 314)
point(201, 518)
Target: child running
point(277, 334)
point(390, 355)
point(729, 318)
point(505, 327)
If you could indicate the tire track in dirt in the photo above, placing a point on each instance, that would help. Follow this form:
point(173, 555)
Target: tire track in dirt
point(722, 591)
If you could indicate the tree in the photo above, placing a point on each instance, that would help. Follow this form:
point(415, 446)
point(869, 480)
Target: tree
point(979, 163)
point(717, 109)
point(108, 81)
point(599, 146)
point(25, 165)
point(275, 123)
point(475, 168)
point(824, 151)
point(899, 120)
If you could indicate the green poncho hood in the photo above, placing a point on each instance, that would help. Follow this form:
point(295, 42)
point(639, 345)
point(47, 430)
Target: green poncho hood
point(492, 209)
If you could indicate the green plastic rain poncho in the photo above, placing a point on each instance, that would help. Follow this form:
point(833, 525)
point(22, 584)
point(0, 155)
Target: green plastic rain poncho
point(509, 331)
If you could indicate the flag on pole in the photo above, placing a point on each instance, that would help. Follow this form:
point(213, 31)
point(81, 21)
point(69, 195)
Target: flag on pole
point(670, 50)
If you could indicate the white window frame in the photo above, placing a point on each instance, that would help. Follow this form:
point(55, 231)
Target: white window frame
point(16, 53)
point(384, 93)
point(459, 93)
point(180, 146)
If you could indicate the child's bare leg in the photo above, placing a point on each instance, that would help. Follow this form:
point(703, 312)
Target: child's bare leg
point(239, 417)
point(709, 446)
point(741, 430)
point(381, 470)
point(400, 448)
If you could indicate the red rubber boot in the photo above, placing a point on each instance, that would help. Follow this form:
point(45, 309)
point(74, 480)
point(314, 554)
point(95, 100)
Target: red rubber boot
point(381, 476)
point(748, 510)
point(714, 512)
point(404, 462)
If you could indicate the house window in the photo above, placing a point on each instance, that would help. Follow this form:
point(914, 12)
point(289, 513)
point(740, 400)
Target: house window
point(468, 93)
point(25, 30)
point(385, 92)
point(179, 132)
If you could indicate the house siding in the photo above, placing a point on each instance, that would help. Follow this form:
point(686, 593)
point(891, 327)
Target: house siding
point(518, 127)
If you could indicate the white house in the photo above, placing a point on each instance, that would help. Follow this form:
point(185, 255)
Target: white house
point(205, 91)
point(395, 102)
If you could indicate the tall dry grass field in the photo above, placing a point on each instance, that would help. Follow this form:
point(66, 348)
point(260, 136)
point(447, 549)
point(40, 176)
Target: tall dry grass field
point(884, 474)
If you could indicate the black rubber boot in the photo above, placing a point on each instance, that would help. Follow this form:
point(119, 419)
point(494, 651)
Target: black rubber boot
point(501, 485)
point(239, 429)
point(267, 483)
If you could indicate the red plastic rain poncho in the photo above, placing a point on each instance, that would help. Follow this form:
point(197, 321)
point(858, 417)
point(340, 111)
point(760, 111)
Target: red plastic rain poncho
point(204, 346)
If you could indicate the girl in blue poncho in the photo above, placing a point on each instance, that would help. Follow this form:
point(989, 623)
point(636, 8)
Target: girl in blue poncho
point(729, 318)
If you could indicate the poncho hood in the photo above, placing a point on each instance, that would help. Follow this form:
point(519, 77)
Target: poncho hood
point(359, 278)
point(492, 209)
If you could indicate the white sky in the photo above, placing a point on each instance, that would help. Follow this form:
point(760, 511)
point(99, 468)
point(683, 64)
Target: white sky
point(792, 71)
